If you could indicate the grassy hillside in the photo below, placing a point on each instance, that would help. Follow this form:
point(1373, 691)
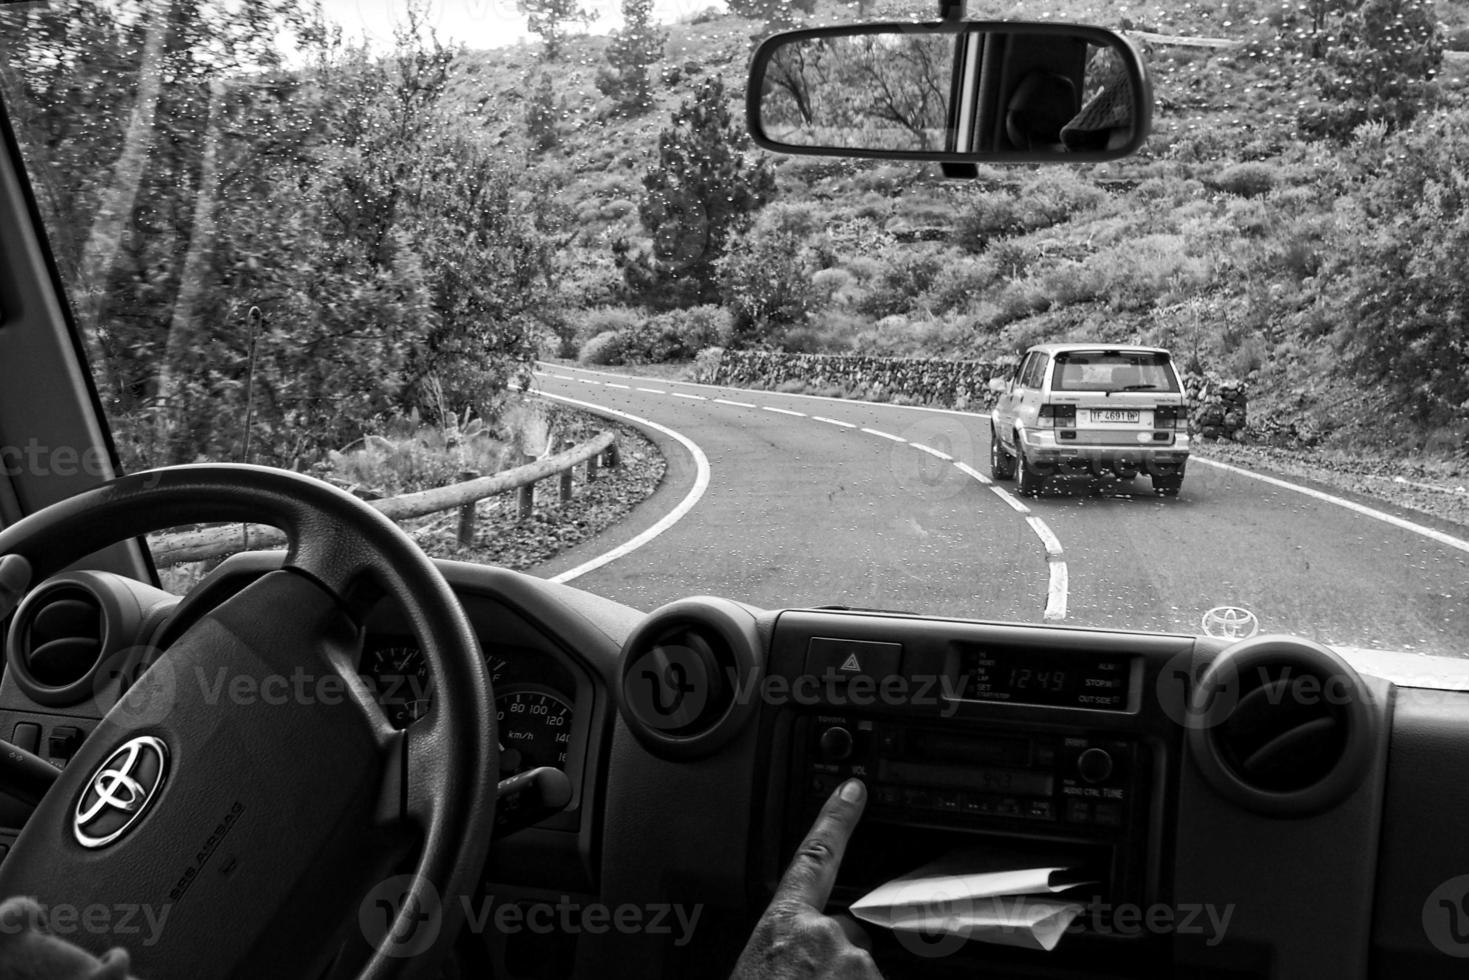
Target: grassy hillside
point(1217, 240)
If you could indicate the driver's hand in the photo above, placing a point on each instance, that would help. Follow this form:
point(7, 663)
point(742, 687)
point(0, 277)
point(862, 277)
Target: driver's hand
point(795, 939)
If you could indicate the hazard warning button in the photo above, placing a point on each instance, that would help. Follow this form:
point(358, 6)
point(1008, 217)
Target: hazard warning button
point(852, 658)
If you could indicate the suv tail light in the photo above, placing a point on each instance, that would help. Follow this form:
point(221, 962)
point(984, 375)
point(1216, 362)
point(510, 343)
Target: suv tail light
point(1170, 417)
point(1057, 417)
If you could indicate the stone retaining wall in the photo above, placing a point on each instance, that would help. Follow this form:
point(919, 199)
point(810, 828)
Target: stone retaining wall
point(1218, 405)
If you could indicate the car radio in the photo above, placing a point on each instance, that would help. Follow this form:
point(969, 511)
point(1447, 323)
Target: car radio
point(1075, 784)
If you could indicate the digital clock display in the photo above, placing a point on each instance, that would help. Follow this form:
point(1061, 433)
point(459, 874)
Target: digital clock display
point(1044, 677)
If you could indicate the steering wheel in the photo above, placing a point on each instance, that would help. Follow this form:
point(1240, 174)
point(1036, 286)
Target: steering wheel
point(247, 810)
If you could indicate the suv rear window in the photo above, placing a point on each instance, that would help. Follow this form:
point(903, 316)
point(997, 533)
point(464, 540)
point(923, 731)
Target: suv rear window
point(1113, 371)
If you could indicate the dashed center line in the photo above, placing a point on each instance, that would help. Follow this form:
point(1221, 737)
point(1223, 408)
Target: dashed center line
point(1004, 495)
point(563, 377)
point(731, 401)
point(653, 391)
point(697, 398)
point(884, 435)
point(783, 411)
point(588, 381)
point(932, 452)
point(823, 418)
point(1048, 537)
point(966, 468)
point(613, 384)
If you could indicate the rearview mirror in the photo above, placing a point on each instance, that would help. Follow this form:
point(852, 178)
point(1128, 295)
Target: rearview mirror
point(951, 91)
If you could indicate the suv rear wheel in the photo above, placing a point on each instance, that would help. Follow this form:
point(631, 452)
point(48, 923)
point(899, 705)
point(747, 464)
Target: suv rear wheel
point(1002, 464)
point(1028, 480)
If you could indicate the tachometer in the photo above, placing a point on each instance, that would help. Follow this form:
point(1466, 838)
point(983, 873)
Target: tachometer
point(535, 730)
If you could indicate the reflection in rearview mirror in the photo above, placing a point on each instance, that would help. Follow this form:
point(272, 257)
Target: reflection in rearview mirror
point(951, 91)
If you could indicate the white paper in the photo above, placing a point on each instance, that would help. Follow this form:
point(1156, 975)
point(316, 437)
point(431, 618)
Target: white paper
point(1010, 906)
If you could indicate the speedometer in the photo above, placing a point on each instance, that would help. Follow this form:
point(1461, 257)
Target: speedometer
point(535, 730)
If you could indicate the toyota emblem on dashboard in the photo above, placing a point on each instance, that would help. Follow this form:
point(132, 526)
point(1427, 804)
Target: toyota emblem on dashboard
point(120, 791)
point(1231, 623)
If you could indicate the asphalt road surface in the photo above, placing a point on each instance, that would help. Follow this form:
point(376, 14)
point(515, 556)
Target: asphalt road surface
point(821, 501)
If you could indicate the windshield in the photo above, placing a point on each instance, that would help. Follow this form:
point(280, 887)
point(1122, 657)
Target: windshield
point(405, 248)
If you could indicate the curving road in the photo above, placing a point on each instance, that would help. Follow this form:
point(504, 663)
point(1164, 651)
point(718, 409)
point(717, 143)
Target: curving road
point(814, 501)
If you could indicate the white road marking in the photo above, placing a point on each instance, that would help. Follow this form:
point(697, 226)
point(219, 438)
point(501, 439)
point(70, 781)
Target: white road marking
point(1004, 495)
point(588, 381)
point(653, 391)
point(885, 435)
point(931, 451)
point(1056, 594)
point(727, 401)
point(701, 483)
point(966, 468)
point(563, 377)
point(1447, 540)
point(845, 425)
point(822, 398)
point(614, 384)
point(697, 398)
point(784, 411)
point(1048, 537)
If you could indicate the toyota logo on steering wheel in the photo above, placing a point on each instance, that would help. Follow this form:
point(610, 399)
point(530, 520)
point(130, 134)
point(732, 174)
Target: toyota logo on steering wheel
point(120, 791)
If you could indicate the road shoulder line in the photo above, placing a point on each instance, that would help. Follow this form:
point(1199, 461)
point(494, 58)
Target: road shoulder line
point(701, 484)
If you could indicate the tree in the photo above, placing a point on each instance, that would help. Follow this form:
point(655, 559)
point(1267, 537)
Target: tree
point(696, 197)
point(549, 19)
point(625, 79)
point(765, 274)
point(542, 114)
point(1400, 290)
point(774, 14)
point(1375, 65)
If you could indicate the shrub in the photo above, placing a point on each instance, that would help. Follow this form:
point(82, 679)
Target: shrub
point(605, 348)
point(1247, 179)
point(906, 274)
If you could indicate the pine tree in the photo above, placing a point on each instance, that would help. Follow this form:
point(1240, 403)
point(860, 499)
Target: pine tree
point(541, 113)
point(625, 79)
point(698, 195)
point(549, 19)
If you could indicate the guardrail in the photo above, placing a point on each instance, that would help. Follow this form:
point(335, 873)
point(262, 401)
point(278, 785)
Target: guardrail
point(186, 546)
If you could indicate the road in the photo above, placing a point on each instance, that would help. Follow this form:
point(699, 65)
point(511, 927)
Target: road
point(820, 501)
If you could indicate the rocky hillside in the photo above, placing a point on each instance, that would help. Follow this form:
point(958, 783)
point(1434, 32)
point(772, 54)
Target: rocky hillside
point(1218, 241)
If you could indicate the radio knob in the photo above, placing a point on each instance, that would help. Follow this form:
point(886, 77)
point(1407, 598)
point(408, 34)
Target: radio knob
point(836, 744)
point(1094, 765)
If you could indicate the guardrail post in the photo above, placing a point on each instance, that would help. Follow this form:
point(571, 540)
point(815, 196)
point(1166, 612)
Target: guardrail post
point(613, 457)
point(528, 494)
point(467, 513)
point(566, 475)
point(592, 468)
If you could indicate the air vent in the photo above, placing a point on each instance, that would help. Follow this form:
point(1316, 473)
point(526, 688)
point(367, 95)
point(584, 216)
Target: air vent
point(63, 640)
point(1292, 726)
point(71, 634)
point(688, 675)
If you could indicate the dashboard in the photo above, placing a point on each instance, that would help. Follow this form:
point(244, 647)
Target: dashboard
point(1244, 790)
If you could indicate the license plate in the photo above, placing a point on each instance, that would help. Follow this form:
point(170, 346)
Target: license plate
point(1114, 415)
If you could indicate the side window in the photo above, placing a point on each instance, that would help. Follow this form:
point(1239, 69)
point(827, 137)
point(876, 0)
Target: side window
point(1027, 368)
point(1034, 371)
point(1042, 361)
point(1020, 369)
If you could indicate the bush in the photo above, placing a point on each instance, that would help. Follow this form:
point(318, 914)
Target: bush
point(678, 335)
point(905, 275)
point(1247, 179)
point(605, 348)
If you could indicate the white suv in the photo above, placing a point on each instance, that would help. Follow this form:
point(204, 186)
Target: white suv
point(1090, 409)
